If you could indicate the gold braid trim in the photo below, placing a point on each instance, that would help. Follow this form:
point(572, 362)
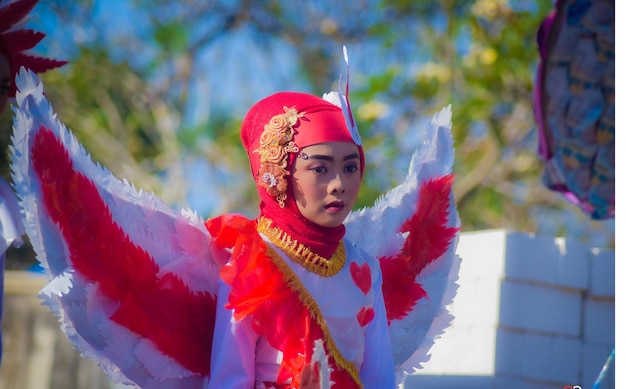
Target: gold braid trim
point(301, 254)
point(308, 301)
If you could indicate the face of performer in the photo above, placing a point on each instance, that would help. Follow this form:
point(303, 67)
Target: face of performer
point(5, 81)
point(326, 178)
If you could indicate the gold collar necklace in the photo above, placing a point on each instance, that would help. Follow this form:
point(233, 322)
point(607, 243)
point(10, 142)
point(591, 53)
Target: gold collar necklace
point(300, 253)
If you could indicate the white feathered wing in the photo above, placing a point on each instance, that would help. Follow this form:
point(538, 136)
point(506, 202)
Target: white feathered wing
point(119, 261)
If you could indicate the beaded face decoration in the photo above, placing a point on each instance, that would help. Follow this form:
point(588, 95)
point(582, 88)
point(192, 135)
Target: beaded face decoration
point(275, 144)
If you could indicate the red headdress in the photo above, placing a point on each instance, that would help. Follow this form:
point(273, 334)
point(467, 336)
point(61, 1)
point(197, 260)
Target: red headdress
point(14, 41)
point(274, 130)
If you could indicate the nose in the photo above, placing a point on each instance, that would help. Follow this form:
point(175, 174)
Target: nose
point(336, 184)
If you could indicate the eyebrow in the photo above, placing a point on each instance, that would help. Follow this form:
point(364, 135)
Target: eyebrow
point(331, 159)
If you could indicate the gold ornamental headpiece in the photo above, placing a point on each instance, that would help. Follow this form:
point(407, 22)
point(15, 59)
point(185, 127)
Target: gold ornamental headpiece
point(274, 145)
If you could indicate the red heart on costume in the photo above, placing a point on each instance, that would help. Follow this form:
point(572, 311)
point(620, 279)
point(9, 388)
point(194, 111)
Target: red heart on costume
point(362, 276)
point(365, 316)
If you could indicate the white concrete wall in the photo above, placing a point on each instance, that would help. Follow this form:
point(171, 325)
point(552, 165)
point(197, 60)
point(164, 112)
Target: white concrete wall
point(531, 312)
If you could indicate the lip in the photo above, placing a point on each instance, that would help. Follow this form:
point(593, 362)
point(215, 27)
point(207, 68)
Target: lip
point(335, 206)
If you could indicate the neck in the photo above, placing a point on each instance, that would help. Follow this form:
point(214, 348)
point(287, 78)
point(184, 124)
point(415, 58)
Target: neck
point(323, 266)
point(322, 241)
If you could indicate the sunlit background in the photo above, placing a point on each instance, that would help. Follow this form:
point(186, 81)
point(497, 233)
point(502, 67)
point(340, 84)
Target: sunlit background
point(156, 91)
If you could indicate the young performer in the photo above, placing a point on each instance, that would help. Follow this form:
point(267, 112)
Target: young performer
point(308, 294)
point(308, 167)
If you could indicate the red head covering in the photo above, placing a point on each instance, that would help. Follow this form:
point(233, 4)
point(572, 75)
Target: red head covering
point(315, 120)
point(14, 42)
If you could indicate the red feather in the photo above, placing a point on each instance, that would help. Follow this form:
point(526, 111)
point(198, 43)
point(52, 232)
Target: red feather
point(429, 237)
point(429, 234)
point(160, 308)
point(400, 290)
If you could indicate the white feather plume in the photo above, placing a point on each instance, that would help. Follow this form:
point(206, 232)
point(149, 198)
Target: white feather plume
point(320, 356)
point(342, 101)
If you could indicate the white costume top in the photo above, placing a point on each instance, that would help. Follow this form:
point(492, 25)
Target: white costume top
point(243, 359)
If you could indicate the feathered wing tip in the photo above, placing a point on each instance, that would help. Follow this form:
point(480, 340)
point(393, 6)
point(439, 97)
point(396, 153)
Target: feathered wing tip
point(15, 41)
point(132, 281)
point(383, 220)
point(436, 156)
point(443, 117)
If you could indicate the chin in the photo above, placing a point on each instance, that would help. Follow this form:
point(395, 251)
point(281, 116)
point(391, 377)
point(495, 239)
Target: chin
point(326, 219)
point(334, 222)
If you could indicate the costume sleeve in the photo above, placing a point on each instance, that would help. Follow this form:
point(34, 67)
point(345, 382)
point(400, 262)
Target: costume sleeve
point(377, 370)
point(234, 348)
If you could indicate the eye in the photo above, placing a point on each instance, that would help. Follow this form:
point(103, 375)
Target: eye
point(352, 168)
point(319, 169)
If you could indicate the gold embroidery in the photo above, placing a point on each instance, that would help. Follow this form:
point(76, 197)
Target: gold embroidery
point(275, 144)
point(308, 301)
point(301, 254)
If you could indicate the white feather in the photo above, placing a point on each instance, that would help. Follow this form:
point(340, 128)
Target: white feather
point(320, 356)
point(342, 101)
point(58, 286)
